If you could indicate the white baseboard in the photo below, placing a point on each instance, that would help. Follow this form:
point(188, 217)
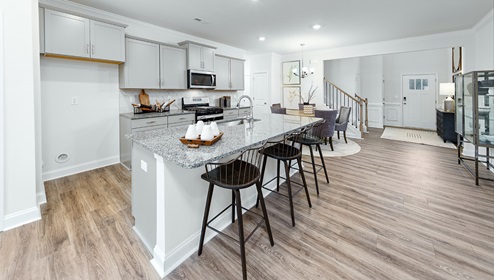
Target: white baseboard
point(164, 264)
point(21, 218)
point(66, 171)
point(40, 198)
point(150, 249)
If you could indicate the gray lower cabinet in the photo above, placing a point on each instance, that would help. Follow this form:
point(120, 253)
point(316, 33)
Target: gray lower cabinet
point(128, 126)
point(243, 112)
point(230, 114)
point(181, 120)
point(63, 34)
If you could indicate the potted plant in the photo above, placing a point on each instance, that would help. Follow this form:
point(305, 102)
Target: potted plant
point(306, 105)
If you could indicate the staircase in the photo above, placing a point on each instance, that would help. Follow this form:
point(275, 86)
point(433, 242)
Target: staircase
point(335, 97)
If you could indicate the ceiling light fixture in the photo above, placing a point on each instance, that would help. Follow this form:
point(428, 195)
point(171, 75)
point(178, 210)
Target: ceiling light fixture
point(262, 38)
point(305, 71)
point(316, 26)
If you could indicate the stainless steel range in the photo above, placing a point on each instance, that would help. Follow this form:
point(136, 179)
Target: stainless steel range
point(200, 105)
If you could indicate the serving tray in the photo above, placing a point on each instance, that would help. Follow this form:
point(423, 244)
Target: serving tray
point(198, 141)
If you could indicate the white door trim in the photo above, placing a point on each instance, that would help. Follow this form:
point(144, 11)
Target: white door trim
point(2, 120)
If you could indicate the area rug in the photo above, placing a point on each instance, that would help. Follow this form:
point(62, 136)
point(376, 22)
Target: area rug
point(415, 136)
point(341, 149)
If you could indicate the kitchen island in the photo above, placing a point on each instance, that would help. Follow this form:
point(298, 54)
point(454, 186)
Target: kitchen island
point(168, 194)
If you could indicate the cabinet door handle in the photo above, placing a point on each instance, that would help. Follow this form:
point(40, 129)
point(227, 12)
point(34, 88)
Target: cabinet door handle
point(150, 122)
point(93, 49)
point(182, 118)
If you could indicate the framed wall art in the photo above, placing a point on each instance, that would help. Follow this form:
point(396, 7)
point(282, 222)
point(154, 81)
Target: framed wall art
point(290, 78)
point(291, 97)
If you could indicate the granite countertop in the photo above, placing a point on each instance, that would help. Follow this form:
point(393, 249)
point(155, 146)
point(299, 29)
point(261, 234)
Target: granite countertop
point(166, 143)
point(172, 112)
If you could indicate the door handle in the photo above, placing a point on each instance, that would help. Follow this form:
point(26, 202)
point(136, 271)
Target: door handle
point(405, 98)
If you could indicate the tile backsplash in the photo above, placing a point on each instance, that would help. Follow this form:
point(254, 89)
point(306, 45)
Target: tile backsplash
point(164, 95)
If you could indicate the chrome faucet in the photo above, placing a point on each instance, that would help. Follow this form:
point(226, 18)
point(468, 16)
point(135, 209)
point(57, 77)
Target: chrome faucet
point(251, 116)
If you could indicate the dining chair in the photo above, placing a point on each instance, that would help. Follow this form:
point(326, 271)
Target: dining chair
point(278, 110)
point(326, 130)
point(342, 121)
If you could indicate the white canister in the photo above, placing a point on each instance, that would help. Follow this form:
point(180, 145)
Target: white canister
point(207, 133)
point(199, 127)
point(215, 129)
point(191, 132)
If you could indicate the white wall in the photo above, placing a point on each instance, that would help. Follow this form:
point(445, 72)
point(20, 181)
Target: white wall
point(423, 62)
point(20, 86)
point(343, 73)
point(464, 38)
point(88, 132)
point(371, 85)
point(484, 42)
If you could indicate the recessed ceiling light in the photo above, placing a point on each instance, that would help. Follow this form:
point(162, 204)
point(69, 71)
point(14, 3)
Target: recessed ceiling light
point(316, 26)
point(262, 38)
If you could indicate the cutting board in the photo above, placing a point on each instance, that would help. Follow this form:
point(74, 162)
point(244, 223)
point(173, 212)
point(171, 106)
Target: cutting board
point(144, 98)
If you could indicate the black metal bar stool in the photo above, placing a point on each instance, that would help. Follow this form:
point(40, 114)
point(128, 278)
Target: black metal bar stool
point(286, 151)
point(310, 138)
point(236, 174)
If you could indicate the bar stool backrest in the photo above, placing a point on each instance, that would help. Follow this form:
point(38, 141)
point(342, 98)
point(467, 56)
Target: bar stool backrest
point(237, 173)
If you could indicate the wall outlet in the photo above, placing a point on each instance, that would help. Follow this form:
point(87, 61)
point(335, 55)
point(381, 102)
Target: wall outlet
point(132, 99)
point(75, 100)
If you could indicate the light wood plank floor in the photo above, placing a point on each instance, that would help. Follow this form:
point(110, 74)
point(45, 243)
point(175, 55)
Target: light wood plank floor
point(395, 210)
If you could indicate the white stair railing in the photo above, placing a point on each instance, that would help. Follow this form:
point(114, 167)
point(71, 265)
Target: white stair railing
point(335, 97)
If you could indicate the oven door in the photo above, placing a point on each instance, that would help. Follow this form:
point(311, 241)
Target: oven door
point(198, 79)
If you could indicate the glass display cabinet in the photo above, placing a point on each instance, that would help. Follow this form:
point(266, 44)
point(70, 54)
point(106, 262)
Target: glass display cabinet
point(475, 118)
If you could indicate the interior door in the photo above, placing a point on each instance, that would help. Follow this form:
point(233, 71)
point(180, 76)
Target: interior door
point(260, 89)
point(419, 101)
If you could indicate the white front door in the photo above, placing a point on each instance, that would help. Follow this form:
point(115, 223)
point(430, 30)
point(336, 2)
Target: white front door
point(419, 101)
point(260, 89)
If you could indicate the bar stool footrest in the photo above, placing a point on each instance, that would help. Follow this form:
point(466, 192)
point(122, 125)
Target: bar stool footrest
point(230, 237)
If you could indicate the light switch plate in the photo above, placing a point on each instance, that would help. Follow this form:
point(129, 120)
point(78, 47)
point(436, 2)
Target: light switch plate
point(144, 166)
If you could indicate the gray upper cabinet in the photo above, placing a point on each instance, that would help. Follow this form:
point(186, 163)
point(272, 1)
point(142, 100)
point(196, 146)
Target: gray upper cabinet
point(229, 73)
point(66, 34)
point(70, 35)
point(142, 66)
point(173, 70)
point(107, 41)
point(222, 66)
point(199, 56)
point(41, 18)
point(237, 76)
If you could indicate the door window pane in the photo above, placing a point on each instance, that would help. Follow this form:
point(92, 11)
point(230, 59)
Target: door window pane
point(411, 84)
point(418, 84)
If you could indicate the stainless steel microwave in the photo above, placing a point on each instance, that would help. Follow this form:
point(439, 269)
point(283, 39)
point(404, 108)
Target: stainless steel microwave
point(201, 79)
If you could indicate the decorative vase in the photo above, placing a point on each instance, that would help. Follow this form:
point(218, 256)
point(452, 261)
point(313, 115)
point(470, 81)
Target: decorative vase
point(309, 109)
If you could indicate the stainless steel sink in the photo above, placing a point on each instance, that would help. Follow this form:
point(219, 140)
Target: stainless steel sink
point(235, 122)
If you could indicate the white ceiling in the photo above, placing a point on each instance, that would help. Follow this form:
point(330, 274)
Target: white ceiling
point(288, 23)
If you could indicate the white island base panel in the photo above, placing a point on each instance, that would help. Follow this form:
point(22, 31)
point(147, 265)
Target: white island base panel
point(168, 204)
